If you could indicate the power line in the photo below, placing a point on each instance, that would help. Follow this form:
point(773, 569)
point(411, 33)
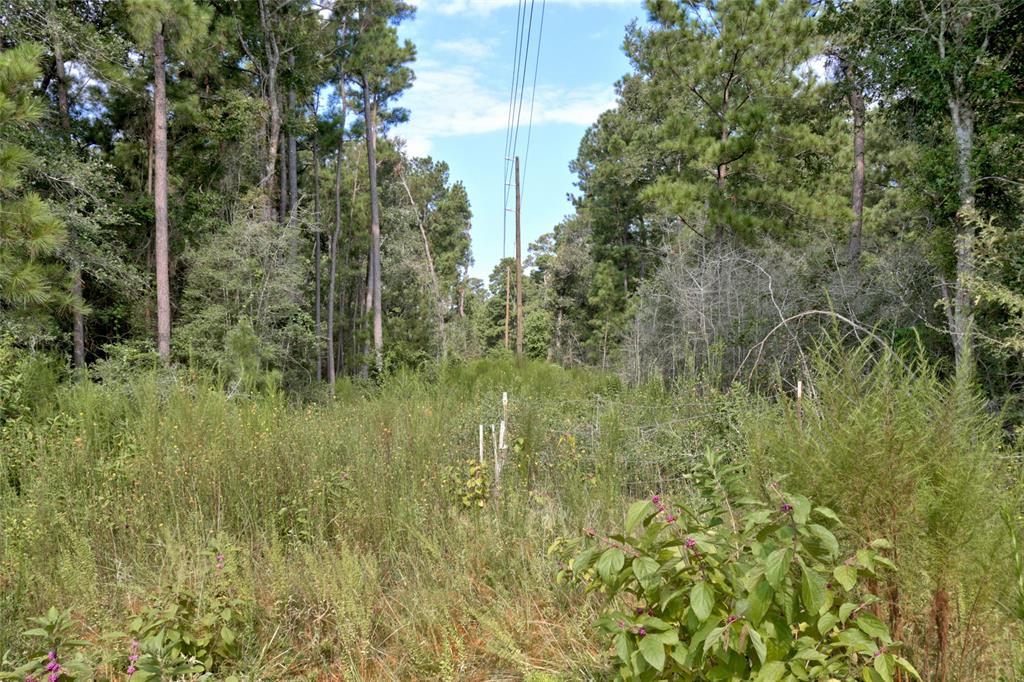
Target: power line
point(517, 97)
point(533, 95)
point(522, 90)
point(520, 17)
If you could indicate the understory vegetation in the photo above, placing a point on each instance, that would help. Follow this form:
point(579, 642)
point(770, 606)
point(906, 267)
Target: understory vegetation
point(751, 411)
point(361, 538)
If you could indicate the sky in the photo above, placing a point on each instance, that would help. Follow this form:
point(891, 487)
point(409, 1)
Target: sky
point(459, 103)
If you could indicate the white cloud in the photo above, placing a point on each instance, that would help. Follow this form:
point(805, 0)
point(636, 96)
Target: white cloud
point(449, 101)
point(471, 48)
point(487, 6)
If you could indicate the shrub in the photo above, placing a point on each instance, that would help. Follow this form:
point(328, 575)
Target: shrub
point(737, 590)
point(900, 453)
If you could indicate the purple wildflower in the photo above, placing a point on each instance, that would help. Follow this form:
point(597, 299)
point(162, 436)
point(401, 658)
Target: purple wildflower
point(639, 610)
point(641, 631)
point(30, 678)
point(670, 518)
point(622, 624)
point(731, 619)
point(690, 543)
point(132, 657)
point(786, 507)
point(656, 499)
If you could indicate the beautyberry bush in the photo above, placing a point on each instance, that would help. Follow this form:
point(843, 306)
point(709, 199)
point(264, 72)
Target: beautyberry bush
point(740, 589)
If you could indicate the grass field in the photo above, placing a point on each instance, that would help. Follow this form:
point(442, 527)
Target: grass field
point(359, 538)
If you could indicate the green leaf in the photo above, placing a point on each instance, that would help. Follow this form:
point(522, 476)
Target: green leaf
point(636, 513)
point(871, 676)
point(845, 610)
point(757, 643)
point(584, 559)
point(702, 600)
point(36, 632)
point(668, 638)
point(653, 652)
point(801, 509)
point(771, 672)
point(883, 666)
point(826, 537)
point(760, 599)
point(846, 576)
point(827, 513)
point(610, 563)
point(622, 647)
point(227, 635)
point(645, 567)
point(812, 590)
point(881, 543)
point(776, 566)
point(871, 626)
point(905, 664)
point(827, 621)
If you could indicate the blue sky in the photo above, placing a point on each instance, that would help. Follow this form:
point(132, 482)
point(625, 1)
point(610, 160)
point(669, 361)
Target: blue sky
point(459, 102)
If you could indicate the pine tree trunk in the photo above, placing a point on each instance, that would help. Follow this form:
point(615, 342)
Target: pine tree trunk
point(370, 110)
point(722, 172)
point(282, 190)
point(273, 103)
point(332, 368)
point(163, 289)
point(293, 173)
point(316, 263)
point(963, 314)
point(858, 110)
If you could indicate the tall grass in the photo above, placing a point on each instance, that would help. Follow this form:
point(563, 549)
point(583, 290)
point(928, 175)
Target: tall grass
point(903, 455)
point(353, 547)
point(356, 557)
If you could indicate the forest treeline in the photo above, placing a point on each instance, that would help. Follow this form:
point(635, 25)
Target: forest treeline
point(221, 184)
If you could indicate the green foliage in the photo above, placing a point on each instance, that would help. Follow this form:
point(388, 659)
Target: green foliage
point(729, 74)
point(898, 453)
point(735, 588)
point(242, 306)
point(30, 235)
point(340, 510)
point(469, 484)
point(53, 641)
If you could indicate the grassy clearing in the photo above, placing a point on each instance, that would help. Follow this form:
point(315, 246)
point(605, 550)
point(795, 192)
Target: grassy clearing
point(355, 539)
point(343, 523)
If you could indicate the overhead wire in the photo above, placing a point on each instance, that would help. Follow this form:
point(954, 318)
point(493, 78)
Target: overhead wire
point(522, 93)
point(520, 17)
point(533, 97)
point(517, 95)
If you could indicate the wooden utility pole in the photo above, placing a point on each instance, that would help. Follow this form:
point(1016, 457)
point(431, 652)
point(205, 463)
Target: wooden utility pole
point(519, 270)
point(508, 299)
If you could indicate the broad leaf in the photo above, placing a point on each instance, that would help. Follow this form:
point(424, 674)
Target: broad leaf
point(758, 643)
point(702, 600)
point(771, 672)
point(760, 600)
point(812, 590)
point(846, 576)
point(610, 563)
point(776, 567)
point(653, 651)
